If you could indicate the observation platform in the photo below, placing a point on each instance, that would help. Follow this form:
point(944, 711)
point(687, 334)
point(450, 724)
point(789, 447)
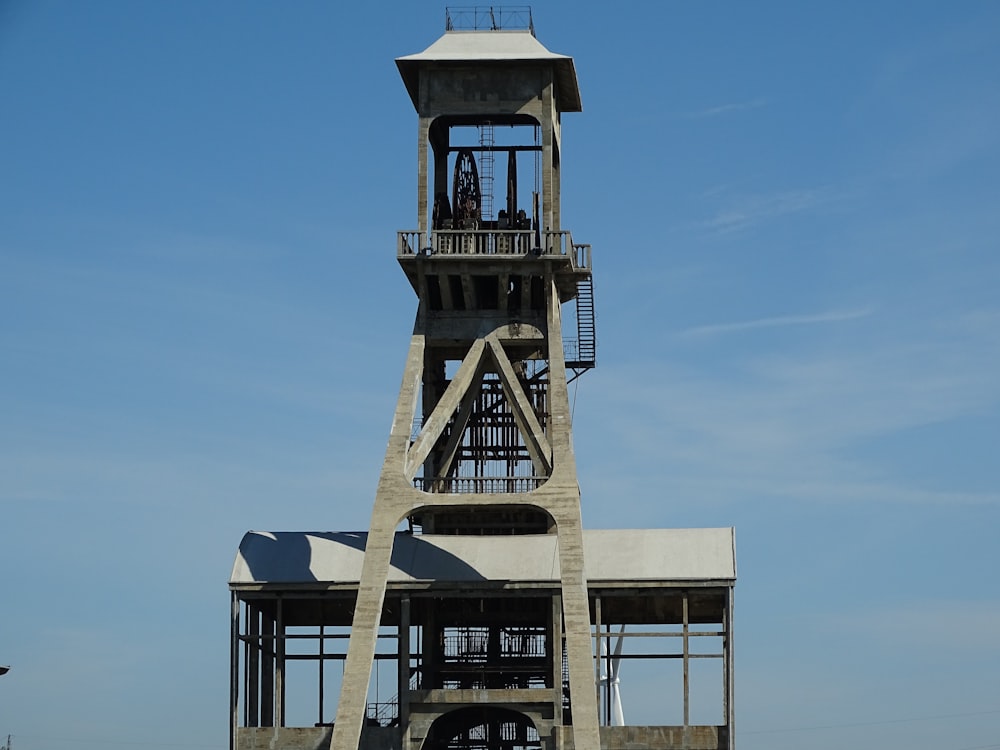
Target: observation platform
point(495, 252)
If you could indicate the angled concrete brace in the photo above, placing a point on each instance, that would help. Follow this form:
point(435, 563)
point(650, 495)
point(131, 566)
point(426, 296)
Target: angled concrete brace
point(396, 497)
point(462, 392)
point(524, 416)
point(461, 420)
point(450, 400)
point(378, 553)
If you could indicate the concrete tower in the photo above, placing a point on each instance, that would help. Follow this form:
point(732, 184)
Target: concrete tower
point(472, 581)
point(486, 374)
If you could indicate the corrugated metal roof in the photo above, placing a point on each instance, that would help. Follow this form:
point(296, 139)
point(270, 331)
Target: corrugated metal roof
point(610, 555)
point(492, 47)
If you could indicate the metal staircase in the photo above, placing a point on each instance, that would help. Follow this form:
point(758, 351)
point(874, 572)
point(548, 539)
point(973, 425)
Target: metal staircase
point(585, 356)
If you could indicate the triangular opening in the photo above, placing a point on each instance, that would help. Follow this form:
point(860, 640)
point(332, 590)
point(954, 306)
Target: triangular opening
point(486, 432)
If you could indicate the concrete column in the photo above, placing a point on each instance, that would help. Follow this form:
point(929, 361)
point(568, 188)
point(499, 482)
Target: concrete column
point(364, 635)
point(547, 219)
point(566, 512)
point(279, 666)
point(390, 497)
point(403, 650)
point(556, 649)
point(234, 669)
point(730, 653)
point(686, 659)
point(268, 645)
point(252, 666)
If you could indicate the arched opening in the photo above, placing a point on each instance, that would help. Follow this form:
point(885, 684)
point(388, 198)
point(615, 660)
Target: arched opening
point(473, 176)
point(483, 728)
point(480, 519)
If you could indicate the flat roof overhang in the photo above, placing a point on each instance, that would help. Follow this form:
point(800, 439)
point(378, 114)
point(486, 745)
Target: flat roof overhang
point(628, 557)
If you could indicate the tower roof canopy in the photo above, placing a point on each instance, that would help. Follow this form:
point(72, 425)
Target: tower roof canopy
point(488, 47)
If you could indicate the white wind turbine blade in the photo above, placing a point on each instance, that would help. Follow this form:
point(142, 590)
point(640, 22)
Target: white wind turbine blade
point(617, 714)
point(604, 681)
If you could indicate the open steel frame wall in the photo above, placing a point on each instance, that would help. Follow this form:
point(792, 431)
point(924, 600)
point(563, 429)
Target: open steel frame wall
point(445, 649)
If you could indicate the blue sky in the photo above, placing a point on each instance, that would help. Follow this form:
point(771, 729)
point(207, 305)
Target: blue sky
point(794, 214)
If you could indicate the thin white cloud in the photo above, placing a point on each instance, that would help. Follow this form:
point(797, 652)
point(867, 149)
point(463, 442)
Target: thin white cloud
point(753, 209)
point(833, 316)
point(725, 109)
point(801, 425)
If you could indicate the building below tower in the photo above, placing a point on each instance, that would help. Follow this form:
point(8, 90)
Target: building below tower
point(470, 651)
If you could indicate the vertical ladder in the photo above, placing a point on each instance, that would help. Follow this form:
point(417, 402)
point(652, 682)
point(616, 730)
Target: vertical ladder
point(486, 156)
point(567, 715)
point(585, 325)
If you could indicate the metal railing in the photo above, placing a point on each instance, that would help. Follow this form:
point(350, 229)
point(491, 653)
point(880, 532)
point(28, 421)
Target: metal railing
point(516, 242)
point(478, 485)
point(489, 18)
point(386, 713)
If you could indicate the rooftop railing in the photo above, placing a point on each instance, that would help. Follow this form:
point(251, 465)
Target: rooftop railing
point(489, 18)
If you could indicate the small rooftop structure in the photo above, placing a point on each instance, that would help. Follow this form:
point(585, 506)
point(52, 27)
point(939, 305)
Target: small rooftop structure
point(489, 18)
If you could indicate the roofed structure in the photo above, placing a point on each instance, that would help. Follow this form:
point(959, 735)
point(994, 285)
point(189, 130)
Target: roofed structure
point(468, 620)
point(476, 613)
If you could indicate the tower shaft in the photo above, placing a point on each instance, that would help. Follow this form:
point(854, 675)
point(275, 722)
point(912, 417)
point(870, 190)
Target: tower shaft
point(401, 495)
point(471, 584)
point(481, 438)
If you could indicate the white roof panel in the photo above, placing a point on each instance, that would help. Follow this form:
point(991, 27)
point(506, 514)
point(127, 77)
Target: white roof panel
point(456, 46)
point(610, 555)
point(492, 47)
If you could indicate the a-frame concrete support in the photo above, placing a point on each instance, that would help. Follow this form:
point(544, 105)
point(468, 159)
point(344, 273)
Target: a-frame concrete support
point(397, 498)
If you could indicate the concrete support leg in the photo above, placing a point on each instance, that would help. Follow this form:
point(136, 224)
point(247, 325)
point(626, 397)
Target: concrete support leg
point(565, 508)
point(579, 650)
point(364, 635)
point(375, 569)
